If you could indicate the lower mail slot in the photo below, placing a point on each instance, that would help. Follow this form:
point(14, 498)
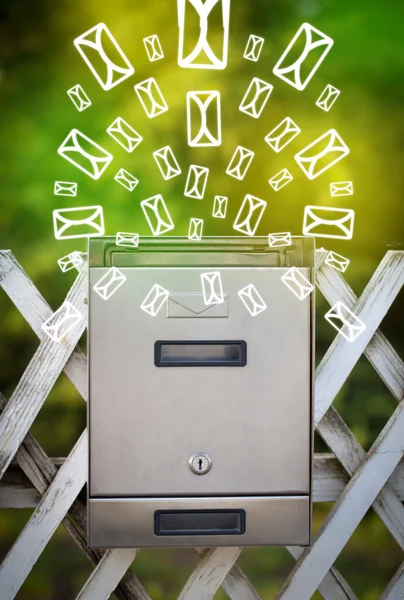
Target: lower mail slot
point(200, 353)
point(199, 522)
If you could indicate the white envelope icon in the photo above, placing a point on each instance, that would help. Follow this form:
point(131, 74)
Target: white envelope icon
point(345, 321)
point(336, 261)
point(341, 188)
point(249, 215)
point(277, 240)
point(196, 182)
point(130, 240)
point(328, 97)
point(240, 162)
point(297, 283)
point(212, 288)
point(154, 300)
point(282, 135)
point(281, 179)
point(76, 149)
point(186, 306)
point(65, 188)
point(201, 55)
point(71, 261)
point(321, 221)
point(109, 283)
point(83, 222)
point(298, 72)
point(195, 229)
point(151, 98)
point(126, 179)
point(167, 163)
point(153, 48)
point(79, 98)
point(322, 154)
point(157, 215)
point(256, 97)
point(124, 134)
point(220, 207)
point(204, 119)
point(253, 48)
point(252, 300)
point(62, 321)
point(94, 46)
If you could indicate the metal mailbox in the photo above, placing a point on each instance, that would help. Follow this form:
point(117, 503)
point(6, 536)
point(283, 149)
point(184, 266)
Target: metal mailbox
point(200, 417)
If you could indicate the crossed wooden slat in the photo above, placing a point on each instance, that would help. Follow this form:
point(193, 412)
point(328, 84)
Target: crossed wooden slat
point(217, 566)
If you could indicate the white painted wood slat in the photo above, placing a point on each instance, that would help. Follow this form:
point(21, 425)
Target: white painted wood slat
point(40, 527)
point(38, 380)
point(343, 519)
point(371, 308)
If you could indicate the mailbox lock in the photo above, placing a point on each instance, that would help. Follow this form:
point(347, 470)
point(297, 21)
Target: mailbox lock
point(200, 463)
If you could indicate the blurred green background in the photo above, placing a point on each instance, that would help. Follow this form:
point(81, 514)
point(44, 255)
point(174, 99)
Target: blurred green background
point(39, 64)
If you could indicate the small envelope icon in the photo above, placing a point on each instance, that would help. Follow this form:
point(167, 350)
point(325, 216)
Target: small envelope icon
point(130, 240)
point(212, 288)
point(282, 135)
point(240, 162)
point(126, 179)
point(281, 179)
point(336, 261)
point(249, 215)
point(62, 321)
point(195, 229)
point(256, 97)
point(109, 283)
point(220, 207)
point(103, 56)
point(297, 283)
point(299, 71)
point(83, 222)
point(328, 97)
point(252, 300)
point(167, 163)
point(321, 221)
point(345, 321)
point(79, 98)
point(196, 182)
point(204, 119)
point(157, 215)
point(124, 134)
point(253, 48)
point(277, 240)
point(71, 261)
point(85, 154)
point(65, 188)
point(202, 54)
point(341, 188)
point(151, 98)
point(186, 306)
point(322, 154)
point(154, 300)
point(153, 48)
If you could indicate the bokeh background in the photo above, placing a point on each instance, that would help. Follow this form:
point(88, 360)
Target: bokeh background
point(39, 64)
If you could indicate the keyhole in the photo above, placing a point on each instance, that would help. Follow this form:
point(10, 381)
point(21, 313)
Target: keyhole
point(200, 464)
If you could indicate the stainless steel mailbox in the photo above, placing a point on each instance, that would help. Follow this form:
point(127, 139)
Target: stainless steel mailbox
point(200, 418)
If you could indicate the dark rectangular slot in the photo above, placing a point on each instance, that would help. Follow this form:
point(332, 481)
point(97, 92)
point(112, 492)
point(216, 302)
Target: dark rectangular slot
point(215, 353)
point(199, 522)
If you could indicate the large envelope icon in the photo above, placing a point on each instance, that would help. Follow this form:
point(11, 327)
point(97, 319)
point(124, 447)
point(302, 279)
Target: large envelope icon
point(180, 306)
point(322, 221)
point(103, 56)
point(85, 154)
point(322, 154)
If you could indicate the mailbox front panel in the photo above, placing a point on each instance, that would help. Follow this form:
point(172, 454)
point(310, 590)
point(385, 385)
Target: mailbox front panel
point(196, 380)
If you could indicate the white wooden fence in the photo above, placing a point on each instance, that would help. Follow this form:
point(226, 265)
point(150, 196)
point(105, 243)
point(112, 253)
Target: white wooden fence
point(350, 477)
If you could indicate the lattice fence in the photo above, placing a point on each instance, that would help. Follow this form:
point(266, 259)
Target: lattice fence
point(350, 477)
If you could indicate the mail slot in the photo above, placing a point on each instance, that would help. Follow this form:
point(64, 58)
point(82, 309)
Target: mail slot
point(200, 393)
